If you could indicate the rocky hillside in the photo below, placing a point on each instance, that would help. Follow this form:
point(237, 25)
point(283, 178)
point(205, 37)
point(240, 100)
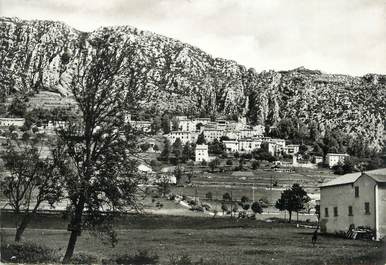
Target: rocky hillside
point(166, 74)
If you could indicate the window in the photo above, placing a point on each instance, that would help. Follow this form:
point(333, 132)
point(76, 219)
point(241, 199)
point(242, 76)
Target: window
point(356, 192)
point(367, 208)
point(335, 211)
point(350, 211)
point(326, 212)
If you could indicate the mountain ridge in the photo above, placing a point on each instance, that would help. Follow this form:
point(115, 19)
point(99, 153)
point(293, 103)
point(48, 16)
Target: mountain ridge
point(178, 77)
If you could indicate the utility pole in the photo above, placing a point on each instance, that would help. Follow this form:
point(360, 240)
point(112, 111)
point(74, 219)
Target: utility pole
point(253, 192)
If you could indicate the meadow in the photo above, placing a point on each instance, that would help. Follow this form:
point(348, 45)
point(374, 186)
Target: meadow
point(224, 240)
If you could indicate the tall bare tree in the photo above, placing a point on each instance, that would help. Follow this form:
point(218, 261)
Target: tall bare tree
point(99, 144)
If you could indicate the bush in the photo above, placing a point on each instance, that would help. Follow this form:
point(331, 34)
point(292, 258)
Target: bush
point(83, 258)
point(141, 258)
point(255, 165)
point(27, 253)
point(229, 162)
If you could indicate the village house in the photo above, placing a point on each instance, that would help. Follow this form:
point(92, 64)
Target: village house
point(6, 122)
point(291, 149)
point(211, 134)
point(247, 145)
point(144, 126)
point(354, 200)
point(202, 153)
point(184, 136)
point(333, 159)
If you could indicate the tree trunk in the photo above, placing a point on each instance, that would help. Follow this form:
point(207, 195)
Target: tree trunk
point(289, 216)
point(70, 247)
point(76, 223)
point(20, 229)
point(25, 221)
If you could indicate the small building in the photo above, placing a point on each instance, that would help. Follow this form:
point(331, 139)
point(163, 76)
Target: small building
point(6, 122)
point(185, 136)
point(202, 153)
point(333, 159)
point(231, 146)
point(353, 200)
point(291, 149)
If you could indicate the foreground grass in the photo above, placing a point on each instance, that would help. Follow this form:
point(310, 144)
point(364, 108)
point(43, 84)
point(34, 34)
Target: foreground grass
point(228, 241)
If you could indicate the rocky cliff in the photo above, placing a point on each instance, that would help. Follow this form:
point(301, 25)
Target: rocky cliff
point(167, 74)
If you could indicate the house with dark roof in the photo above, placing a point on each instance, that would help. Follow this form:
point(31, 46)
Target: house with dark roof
point(354, 200)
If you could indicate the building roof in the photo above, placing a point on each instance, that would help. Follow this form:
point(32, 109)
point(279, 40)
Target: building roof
point(378, 175)
point(334, 154)
point(345, 179)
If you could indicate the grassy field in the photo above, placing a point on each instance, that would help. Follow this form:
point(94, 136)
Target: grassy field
point(227, 240)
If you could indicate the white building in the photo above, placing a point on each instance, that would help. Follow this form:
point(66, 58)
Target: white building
point(333, 159)
point(6, 122)
point(357, 199)
point(291, 149)
point(211, 134)
point(184, 136)
point(202, 153)
point(231, 146)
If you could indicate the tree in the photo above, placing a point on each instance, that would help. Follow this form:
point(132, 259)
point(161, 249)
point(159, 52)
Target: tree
point(18, 107)
point(30, 180)
point(246, 206)
point(209, 196)
point(178, 174)
point(224, 208)
point(163, 184)
point(165, 154)
point(165, 123)
point(175, 124)
point(255, 165)
point(292, 200)
point(99, 144)
point(229, 162)
point(145, 147)
point(177, 149)
point(256, 208)
point(216, 147)
point(156, 125)
point(187, 152)
point(214, 164)
point(226, 197)
point(244, 199)
point(201, 139)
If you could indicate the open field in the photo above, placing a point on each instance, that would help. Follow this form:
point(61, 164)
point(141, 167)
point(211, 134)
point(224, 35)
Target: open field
point(227, 240)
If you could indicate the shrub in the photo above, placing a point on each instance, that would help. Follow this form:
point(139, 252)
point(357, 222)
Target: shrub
point(83, 258)
point(229, 162)
point(141, 258)
point(255, 165)
point(209, 195)
point(27, 253)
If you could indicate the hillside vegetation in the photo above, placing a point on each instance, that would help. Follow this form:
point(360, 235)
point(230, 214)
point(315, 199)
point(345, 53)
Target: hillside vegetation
point(164, 74)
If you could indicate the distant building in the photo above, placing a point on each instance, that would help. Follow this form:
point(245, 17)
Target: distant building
point(202, 153)
point(231, 146)
point(211, 134)
point(353, 200)
point(333, 159)
point(185, 136)
point(6, 122)
point(291, 149)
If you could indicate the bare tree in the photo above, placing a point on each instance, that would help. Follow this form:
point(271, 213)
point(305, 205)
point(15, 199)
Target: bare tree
point(104, 180)
point(28, 179)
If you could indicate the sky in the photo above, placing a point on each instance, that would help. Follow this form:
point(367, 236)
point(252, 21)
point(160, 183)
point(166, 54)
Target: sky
point(335, 36)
